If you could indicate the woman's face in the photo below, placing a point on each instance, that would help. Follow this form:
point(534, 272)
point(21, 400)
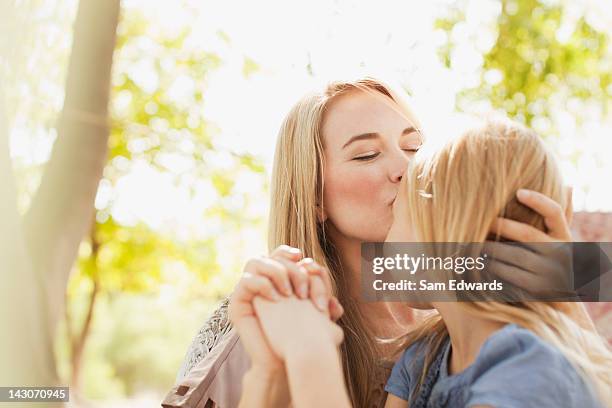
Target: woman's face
point(368, 144)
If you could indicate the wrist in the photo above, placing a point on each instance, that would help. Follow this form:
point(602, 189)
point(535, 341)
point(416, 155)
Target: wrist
point(318, 368)
point(312, 356)
point(266, 386)
point(267, 373)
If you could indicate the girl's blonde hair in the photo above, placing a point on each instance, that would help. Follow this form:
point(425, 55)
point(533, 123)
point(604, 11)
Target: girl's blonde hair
point(455, 196)
point(296, 203)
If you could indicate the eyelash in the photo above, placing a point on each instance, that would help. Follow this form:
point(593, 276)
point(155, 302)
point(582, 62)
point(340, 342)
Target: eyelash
point(366, 158)
point(373, 156)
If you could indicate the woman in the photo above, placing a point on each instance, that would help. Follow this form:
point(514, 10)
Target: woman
point(468, 354)
point(340, 156)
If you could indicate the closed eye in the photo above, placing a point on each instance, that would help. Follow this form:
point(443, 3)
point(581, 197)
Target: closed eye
point(412, 149)
point(367, 157)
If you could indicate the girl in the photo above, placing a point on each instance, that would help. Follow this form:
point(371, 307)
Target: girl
point(491, 353)
point(479, 354)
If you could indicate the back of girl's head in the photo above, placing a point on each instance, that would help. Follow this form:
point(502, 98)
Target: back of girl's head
point(456, 194)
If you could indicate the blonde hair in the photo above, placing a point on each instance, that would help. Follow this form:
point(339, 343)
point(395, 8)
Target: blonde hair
point(455, 195)
point(296, 202)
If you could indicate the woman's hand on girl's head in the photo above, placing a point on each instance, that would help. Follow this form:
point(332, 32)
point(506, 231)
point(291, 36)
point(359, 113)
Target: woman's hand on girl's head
point(555, 217)
point(542, 269)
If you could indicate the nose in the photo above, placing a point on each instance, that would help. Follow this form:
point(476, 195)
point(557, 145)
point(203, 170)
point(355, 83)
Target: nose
point(398, 165)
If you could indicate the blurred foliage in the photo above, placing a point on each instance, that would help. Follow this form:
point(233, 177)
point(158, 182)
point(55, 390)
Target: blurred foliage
point(156, 284)
point(137, 341)
point(32, 73)
point(540, 55)
point(153, 284)
point(132, 259)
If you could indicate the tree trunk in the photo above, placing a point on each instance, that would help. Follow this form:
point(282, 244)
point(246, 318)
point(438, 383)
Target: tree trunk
point(62, 209)
point(78, 341)
point(36, 255)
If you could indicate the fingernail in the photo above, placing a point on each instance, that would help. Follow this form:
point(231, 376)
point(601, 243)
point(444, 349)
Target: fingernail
point(307, 260)
point(303, 291)
point(522, 193)
point(321, 302)
point(294, 251)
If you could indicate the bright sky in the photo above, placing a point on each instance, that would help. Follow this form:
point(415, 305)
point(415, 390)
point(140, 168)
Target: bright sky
point(391, 39)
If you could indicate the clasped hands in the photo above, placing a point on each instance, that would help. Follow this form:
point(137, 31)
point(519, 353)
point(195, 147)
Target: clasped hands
point(284, 311)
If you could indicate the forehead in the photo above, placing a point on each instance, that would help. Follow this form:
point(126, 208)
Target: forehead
point(359, 111)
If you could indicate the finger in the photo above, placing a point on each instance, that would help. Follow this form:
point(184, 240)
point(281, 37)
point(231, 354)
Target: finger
point(537, 287)
point(335, 309)
point(257, 345)
point(277, 272)
point(511, 274)
point(549, 209)
point(240, 303)
point(254, 285)
point(288, 252)
point(314, 268)
point(298, 277)
point(513, 254)
point(518, 231)
point(273, 270)
point(569, 205)
point(318, 294)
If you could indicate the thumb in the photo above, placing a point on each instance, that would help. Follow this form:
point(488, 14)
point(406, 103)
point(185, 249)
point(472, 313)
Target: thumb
point(252, 337)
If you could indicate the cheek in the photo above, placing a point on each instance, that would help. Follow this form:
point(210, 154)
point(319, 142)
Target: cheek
point(355, 202)
point(353, 188)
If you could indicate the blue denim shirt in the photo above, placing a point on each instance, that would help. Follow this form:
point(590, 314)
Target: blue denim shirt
point(514, 368)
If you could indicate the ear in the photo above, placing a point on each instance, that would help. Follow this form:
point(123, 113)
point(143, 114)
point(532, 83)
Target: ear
point(569, 208)
point(321, 215)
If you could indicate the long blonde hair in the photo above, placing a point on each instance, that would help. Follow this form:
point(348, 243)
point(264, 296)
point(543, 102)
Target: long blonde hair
point(296, 201)
point(456, 194)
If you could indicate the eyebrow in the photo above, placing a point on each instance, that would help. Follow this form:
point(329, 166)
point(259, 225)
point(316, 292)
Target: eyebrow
point(374, 135)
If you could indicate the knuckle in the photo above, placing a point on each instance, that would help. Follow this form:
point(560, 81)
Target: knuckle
point(281, 269)
point(246, 278)
point(556, 208)
point(530, 235)
point(264, 285)
point(298, 271)
point(317, 283)
point(250, 265)
point(254, 264)
point(316, 267)
point(248, 282)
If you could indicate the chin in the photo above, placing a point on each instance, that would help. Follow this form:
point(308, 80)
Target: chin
point(420, 305)
point(373, 234)
point(381, 233)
